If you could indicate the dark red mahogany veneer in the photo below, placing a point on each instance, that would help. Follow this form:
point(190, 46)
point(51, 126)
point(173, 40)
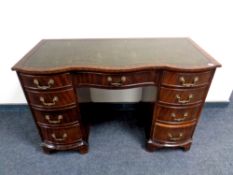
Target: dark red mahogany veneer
point(51, 72)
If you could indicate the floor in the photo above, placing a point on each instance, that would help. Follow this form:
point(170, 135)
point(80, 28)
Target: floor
point(117, 147)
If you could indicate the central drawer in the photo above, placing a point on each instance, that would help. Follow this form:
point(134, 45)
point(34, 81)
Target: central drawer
point(117, 80)
point(52, 99)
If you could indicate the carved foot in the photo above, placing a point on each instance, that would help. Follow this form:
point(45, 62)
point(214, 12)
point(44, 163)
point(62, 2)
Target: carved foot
point(83, 149)
point(187, 146)
point(48, 150)
point(150, 146)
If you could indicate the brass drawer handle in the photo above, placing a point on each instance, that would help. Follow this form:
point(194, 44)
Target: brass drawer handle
point(120, 83)
point(183, 83)
point(175, 138)
point(55, 99)
point(37, 83)
point(64, 136)
point(59, 119)
point(184, 101)
point(185, 116)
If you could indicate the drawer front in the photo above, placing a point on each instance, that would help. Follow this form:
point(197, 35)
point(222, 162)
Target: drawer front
point(44, 82)
point(186, 79)
point(61, 135)
point(176, 114)
point(52, 99)
point(56, 118)
point(117, 80)
point(173, 133)
point(181, 96)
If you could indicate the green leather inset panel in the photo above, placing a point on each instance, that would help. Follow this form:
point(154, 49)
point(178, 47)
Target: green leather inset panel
point(116, 53)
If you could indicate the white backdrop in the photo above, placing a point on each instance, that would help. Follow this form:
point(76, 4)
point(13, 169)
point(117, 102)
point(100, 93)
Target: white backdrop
point(23, 23)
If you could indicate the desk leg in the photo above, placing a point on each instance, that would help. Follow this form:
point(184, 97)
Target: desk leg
point(150, 144)
point(84, 125)
point(82, 149)
point(48, 150)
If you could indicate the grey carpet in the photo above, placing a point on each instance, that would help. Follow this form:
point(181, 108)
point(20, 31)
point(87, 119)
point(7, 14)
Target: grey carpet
point(117, 147)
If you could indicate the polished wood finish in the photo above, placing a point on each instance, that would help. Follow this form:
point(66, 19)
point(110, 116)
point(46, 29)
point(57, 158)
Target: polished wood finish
point(54, 99)
point(58, 81)
point(173, 133)
point(51, 72)
point(181, 96)
point(61, 135)
point(182, 79)
point(174, 114)
point(117, 80)
point(57, 117)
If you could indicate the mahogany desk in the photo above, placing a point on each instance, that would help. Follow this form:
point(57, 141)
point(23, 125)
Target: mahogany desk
point(51, 72)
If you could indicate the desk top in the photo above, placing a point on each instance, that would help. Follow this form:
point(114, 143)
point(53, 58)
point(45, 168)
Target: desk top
point(53, 56)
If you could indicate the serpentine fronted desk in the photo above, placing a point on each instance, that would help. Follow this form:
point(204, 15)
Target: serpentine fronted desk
point(51, 72)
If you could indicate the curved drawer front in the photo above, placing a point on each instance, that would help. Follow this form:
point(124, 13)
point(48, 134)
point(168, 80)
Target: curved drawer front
point(176, 114)
point(117, 80)
point(181, 96)
point(175, 79)
point(173, 133)
point(52, 99)
point(61, 135)
point(56, 118)
point(46, 82)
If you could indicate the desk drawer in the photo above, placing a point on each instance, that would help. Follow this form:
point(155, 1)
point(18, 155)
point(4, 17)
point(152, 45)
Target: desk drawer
point(179, 79)
point(181, 96)
point(61, 135)
point(117, 80)
point(56, 118)
point(176, 114)
point(46, 82)
point(173, 133)
point(52, 99)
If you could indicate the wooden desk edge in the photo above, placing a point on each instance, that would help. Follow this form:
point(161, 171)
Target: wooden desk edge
point(19, 66)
